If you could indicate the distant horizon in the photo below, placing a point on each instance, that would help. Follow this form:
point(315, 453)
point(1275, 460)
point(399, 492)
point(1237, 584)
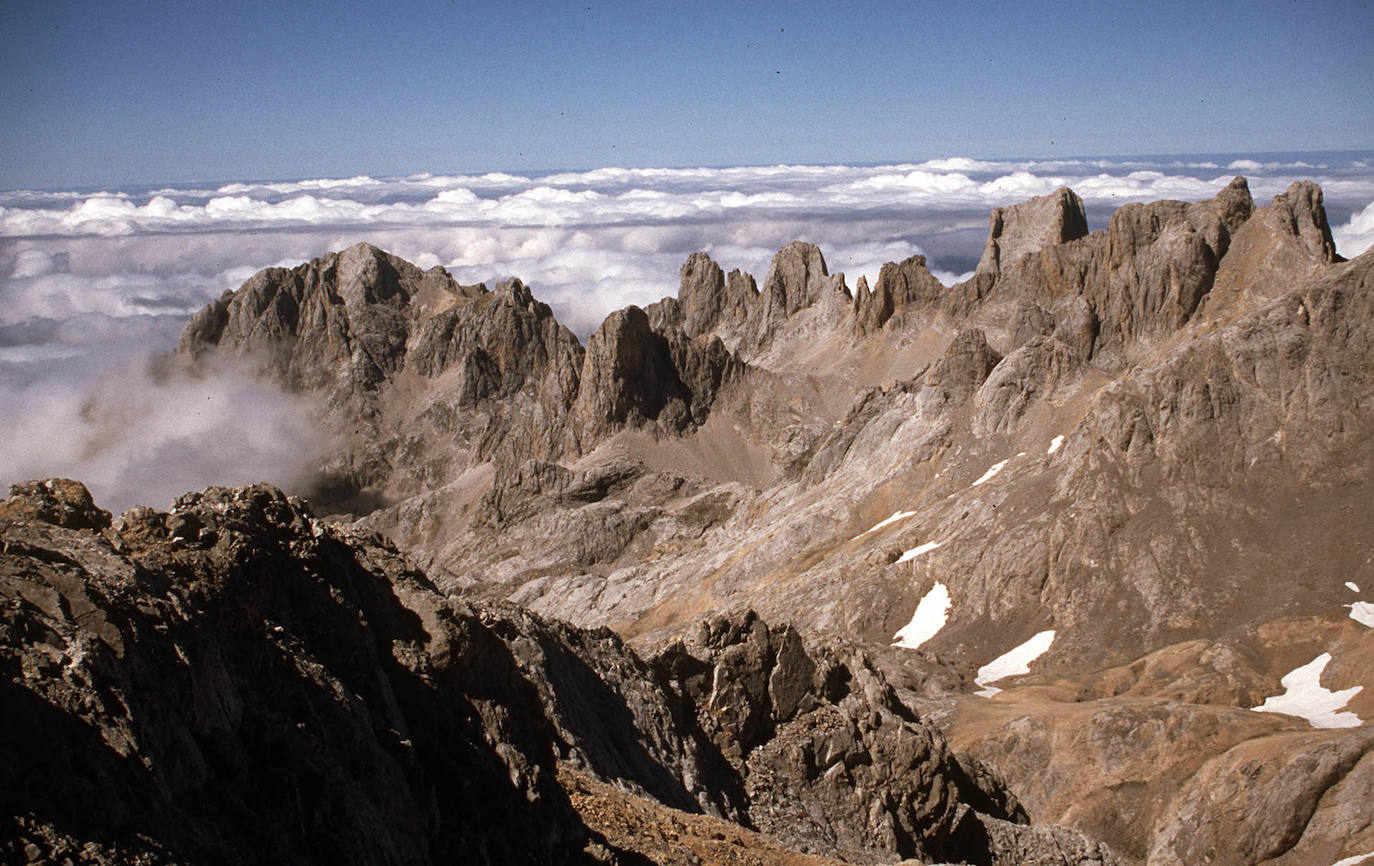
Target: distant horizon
point(149, 185)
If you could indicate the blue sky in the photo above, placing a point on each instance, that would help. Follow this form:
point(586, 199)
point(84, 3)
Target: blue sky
point(149, 92)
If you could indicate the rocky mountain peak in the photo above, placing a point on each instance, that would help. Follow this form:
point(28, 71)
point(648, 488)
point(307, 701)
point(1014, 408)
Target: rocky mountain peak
point(701, 294)
point(899, 286)
point(797, 279)
point(1287, 241)
point(628, 376)
point(1014, 231)
point(1299, 210)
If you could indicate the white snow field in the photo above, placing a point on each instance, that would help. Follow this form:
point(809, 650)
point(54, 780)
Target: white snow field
point(987, 476)
point(896, 516)
point(1306, 698)
point(1362, 612)
point(1013, 662)
point(932, 611)
point(918, 550)
point(1055, 443)
point(1353, 588)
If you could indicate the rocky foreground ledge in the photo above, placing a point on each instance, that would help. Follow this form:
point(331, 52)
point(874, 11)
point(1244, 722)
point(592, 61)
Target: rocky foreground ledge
point(234, 681)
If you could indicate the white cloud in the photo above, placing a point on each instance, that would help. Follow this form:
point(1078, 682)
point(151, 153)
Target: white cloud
point(32, 263)
point(133, 441)
point(949, 278)
point(110, 271)
point(1357, 235)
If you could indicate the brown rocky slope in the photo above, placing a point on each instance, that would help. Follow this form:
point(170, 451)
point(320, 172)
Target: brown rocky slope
point(234, 681)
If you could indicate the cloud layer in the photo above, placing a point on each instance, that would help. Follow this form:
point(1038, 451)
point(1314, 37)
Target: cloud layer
point(92, 281)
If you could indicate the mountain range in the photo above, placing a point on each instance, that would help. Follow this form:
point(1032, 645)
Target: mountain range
point(744, 568)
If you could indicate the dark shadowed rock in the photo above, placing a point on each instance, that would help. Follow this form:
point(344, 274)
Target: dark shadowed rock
point(628, 378)
point(282, 685)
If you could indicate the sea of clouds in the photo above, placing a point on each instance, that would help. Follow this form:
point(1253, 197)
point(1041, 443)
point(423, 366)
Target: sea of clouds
point(95, 283)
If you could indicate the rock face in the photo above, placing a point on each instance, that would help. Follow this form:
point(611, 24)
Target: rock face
point(899, 286)
point(230, 679)
point(1024, 228)
point(235, 680)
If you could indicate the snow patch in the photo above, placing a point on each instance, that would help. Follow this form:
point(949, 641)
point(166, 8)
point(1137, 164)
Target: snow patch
point(932, 611)
point(1054, 444)
point(987, 476)
point(1305, 697)
point(1354, 861)
point(1013, 663)
point(917, 551)
point(896, 516)
point(1362, 612)
point(1352, 587)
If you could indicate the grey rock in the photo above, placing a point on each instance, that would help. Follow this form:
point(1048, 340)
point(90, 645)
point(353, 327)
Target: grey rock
point(899, 287)
point(1024, 228)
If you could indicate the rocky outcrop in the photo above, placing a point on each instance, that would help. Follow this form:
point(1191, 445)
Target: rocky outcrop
point(824, 750)
point(899, 286)
point(967, 363)
point(629, 376)
point(496, 378)
point(1030, 374)
point(338, 324)
point(59, 501)
point(633, 375)
point(1024, 228)
point(1142, 279)
point(234, 679)
point(1218, 820)
point(1283, 243)
point(711, 302)
point(797, 278)
point(1226, 403)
